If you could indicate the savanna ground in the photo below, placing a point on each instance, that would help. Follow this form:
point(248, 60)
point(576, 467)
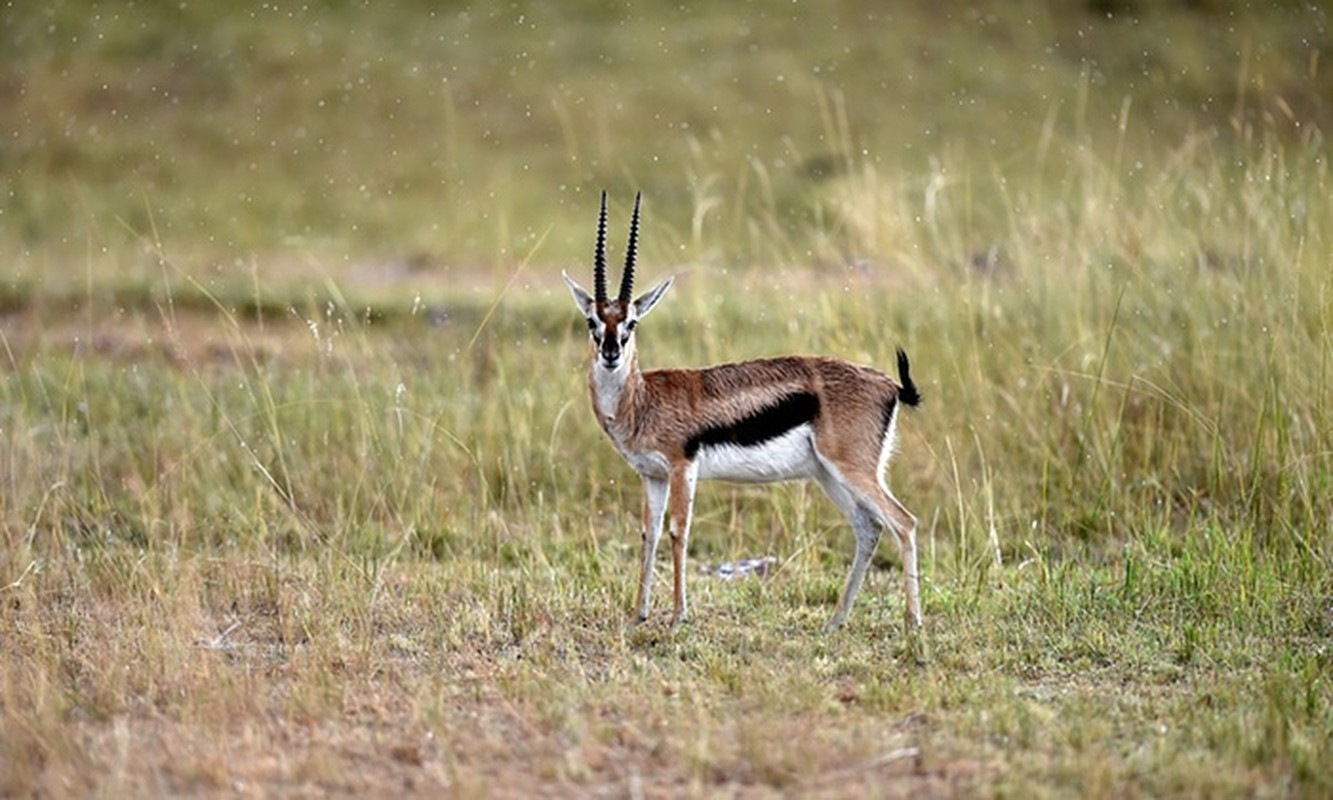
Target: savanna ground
point(299, 488)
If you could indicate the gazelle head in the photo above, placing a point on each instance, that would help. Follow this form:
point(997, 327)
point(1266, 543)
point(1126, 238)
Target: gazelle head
point(612, 322)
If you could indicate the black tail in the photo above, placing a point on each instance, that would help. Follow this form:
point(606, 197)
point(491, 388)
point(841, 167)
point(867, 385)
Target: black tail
point(908, 394)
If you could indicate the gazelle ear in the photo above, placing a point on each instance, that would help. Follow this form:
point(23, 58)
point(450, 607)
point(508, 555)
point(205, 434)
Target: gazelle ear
point(649, 298)
point(581, 296)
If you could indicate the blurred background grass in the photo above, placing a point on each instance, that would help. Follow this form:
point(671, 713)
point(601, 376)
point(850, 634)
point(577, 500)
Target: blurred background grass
point(1100, 228)
point(468, 137)
point(1115, 211)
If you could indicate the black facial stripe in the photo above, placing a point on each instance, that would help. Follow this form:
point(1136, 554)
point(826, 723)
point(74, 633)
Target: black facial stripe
point(610, 347)
point(766, 423)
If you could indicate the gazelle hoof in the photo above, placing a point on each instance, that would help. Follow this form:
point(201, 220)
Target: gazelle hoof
point(832, 626)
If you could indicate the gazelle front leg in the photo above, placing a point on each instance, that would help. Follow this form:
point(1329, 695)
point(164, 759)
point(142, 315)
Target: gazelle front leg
point(684, 480)
point(655, 492)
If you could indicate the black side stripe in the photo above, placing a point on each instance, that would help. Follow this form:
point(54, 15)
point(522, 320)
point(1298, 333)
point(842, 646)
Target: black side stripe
point(766, 423)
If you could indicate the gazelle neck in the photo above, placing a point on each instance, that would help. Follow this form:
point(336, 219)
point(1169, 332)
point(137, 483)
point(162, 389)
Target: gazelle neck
point(612, 388)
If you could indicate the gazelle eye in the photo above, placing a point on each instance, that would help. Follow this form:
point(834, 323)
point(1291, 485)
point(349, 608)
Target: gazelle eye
point(631, 325)
point(592, 324)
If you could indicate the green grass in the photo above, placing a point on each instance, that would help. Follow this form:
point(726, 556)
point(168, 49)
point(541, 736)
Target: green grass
point(300, 491)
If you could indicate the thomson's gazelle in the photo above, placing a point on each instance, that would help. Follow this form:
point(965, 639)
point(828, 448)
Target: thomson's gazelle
point(773, 419)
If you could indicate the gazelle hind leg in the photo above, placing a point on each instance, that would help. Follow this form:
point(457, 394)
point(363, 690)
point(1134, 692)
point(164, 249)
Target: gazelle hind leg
point(904, 527)
point(655, 493)
point(866, 531)
point(898, 519)
point(869, 505)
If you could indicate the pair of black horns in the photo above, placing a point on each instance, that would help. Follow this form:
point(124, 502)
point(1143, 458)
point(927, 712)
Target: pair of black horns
point(599, 259)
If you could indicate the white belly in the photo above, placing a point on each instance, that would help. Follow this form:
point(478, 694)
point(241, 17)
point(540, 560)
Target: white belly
point(790, 456)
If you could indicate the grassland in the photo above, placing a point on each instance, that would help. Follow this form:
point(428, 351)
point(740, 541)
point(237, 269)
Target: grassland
point(300, 494)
